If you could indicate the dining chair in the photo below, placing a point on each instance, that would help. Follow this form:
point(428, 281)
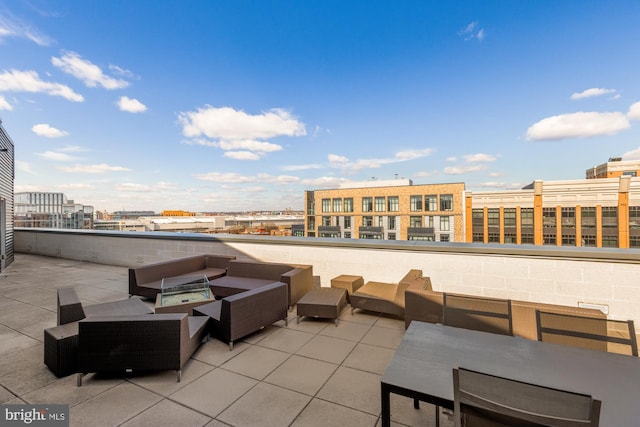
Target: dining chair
point(614, 336)
point(486, 400)
point(478, 313)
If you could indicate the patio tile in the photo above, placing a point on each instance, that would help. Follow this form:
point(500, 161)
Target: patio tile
point(214, 391)
point(320, 413)
point(390, 322)
point(265, 405)
point(359, 316)
point(383, 337)
point(23, 315)
point(256, 362)
point(65, 390)
point(165, 382)
point(329, 349)
point(369, 358)
point(353, 388)
point(112, 407)
point(302, 374)
point(21, 358)
point(5, 395)
point(286, 339)
point(313, 326)
point(403, 412)
point(17, 342)
point(21, 382)
point(256, 337)
point(346, 330)
point(216, 353)
point(168, 413)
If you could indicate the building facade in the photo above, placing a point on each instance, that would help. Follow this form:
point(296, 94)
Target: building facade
point(589, 212)
point(51, 210)
point(389, 210)
point(614, 168)
point(7, 176)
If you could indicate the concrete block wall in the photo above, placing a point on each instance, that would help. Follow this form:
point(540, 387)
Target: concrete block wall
point(549, 275)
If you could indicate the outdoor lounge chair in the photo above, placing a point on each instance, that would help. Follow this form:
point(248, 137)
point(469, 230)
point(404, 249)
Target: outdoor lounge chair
point(477, 313)
point(71, 309)
point(138, 343)
point(481, 399)
point(388, 298)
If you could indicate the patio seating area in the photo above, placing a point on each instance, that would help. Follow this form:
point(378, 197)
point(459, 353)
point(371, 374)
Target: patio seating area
point(306, 374)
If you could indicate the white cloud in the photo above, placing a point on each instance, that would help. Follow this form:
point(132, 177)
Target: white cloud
point(247, 144)
point(459, 170)
point(425, 174)
point(47, 131)
point(632, 155)
point(472, 31)
point(452, 159)
point(29, 81)
point(224, 177)
point(4, 104)
point(132, 187)
point(95, 169)
point(413, 154)
point(131, 105)
point(500, 185)
point(23, 166)
point(594, 91)
point(242, 155)
point(577, 125)
point(634, 112)
point(324, 182)
point(76, 186)
point(89, 73)
point(225, 123)
point(278, 179)
point(57, 156)
point(11, 26)
point(334, 158)
point(233, 130)
point(479, 158)
point(302, 167)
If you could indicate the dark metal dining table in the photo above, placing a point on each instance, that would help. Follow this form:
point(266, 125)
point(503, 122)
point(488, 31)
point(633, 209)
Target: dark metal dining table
point(422, 368)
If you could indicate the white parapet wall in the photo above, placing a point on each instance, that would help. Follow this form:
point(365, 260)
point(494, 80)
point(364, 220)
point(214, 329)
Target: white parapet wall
point(568, 276)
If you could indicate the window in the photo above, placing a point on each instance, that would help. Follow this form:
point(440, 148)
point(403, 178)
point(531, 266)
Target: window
point(610, 217)
point(380, 202)
point(429, 221)
point(415, 221)
point(478, 237)
point(431, 202)
point(393, 205)
point(416, 204)
point(347, 235)
point(444, 224)
point(446, 202)
point(477, 218)
point(348, 205)
point(444, 237)
point(391, 223)
point(380, 221)
point(493, 217)
point(568, 240)
point(347, 222)
point(526, 218)
point(367, 204)
point(509, 217)
point(326, 221)
point(609, 241)
point(367, 221)
point(526, 239)
point(549, 217)
point(494, 237)
point(510, 238)
point(337, 205)
point(549, 238)
point(391, 236)
point(326, 205)
point(588, 218)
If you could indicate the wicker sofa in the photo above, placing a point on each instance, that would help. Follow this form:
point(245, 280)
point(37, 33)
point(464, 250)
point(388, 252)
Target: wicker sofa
point(138, 342)
point(241, 314)
point(426, 305)
point(244, 276)
point(146, 280)
point(388, 298)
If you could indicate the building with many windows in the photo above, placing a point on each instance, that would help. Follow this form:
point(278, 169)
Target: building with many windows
point(51, 210)
point(391, 210)
point(589, 212)
point(614, 168)
point(7, 175)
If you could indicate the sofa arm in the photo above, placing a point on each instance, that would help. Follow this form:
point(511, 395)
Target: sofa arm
point(299, 281)
point(218, 261)
point(422, 304)
point(69, 306)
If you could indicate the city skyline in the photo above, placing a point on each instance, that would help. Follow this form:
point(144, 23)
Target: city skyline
point(238, 106)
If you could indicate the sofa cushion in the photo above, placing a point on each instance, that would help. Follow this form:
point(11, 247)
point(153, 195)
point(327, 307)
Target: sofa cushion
point(231, 285)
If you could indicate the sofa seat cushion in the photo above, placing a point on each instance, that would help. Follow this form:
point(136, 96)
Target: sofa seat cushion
point(231, 285)
point(379, 290)
point(125, 307)
point(196, 324)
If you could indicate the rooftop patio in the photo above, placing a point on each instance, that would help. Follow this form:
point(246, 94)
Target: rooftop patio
point(306, 374)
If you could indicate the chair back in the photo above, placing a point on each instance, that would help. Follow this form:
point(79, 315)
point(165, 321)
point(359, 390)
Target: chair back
point(477, 313)
point(486, 400)
point(614, 336)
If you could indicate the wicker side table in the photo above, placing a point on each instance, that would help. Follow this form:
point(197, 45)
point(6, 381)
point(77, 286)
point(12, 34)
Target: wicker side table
point(60, 349)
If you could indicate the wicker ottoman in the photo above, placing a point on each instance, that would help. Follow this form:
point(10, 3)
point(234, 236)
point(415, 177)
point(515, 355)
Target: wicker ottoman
point(348, 282)
point(325, 303)
point(60, 349)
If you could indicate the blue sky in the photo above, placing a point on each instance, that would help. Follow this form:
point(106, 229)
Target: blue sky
point(243, 105)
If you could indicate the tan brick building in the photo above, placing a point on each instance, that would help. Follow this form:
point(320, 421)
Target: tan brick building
point(390, 210)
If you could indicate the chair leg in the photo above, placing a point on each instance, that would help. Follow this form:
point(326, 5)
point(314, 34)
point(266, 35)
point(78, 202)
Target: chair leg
point(437, 416)
point(416, 404)
point(179, 372)
point(230, 345)
point(79, 380)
